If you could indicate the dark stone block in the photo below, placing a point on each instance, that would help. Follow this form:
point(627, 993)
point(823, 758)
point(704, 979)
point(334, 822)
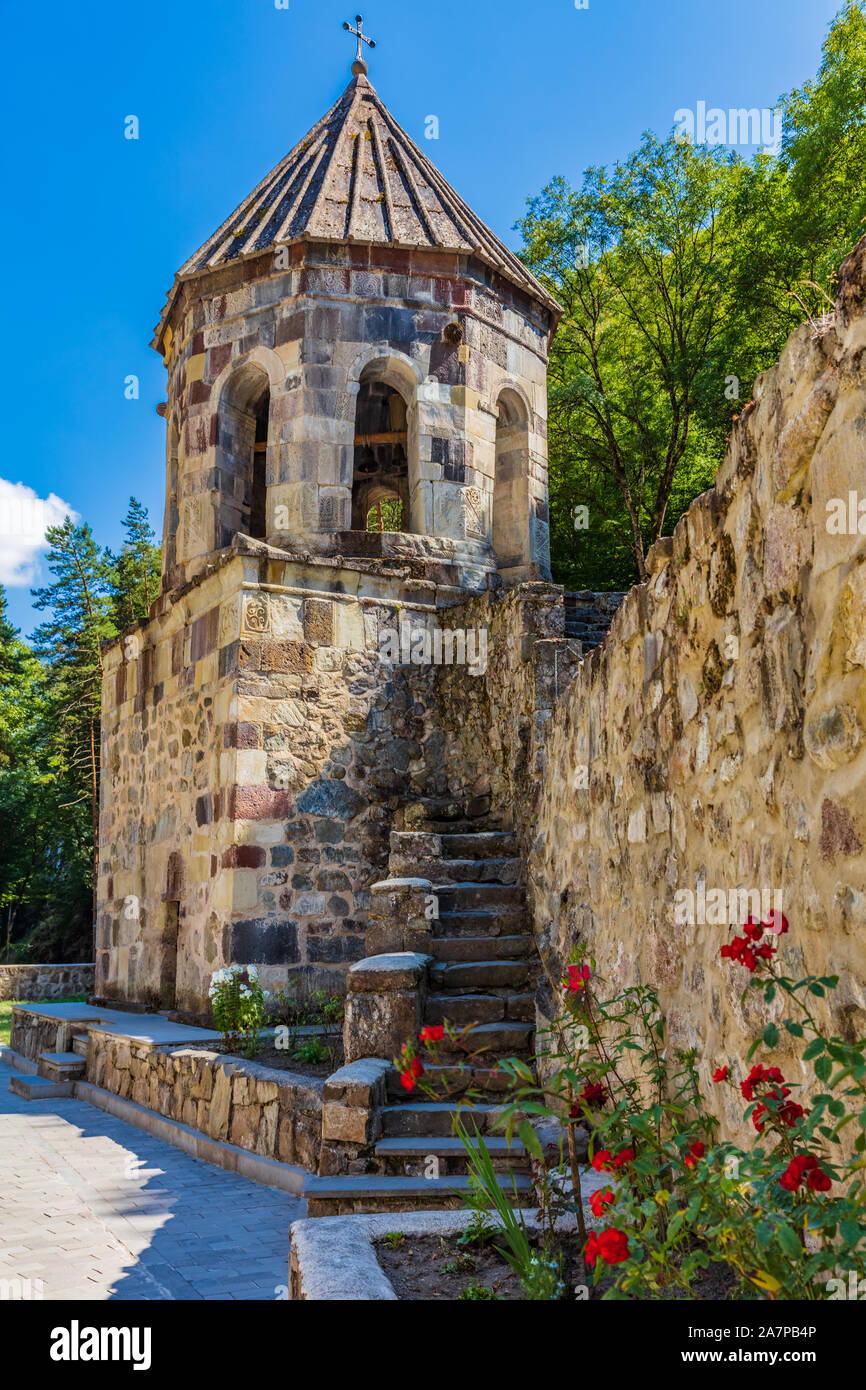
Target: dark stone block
point(264, 942)
point(282, 856)
point(333, 949)
point(228, 662)
point(333, 800)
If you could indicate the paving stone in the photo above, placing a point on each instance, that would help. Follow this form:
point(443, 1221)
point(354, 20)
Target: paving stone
point(98, 1210)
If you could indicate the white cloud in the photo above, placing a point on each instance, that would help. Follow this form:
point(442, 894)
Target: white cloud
point(24, 518)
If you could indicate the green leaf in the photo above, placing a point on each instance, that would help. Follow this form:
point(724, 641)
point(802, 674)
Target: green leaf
point(530, 1140)
point(787, 1238)
point(795, 1029)
point(823, 1068)
point(851, 1232)
point(814, 1049)
point(771, 1035)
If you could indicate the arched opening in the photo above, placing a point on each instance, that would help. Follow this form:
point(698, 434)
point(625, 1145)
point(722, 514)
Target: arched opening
point(244, 412)
point(385, 513)
point(380, 476)
point(171, 518)
point(511, 483)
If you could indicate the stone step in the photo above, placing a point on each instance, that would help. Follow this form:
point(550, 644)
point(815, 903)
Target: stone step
point(463, 871)
point(481, 948)
point(444, 1146)
point(505, 1039)
point(39, 1087)
point(79, 1044)
point(482, 844)
point(487, 1009)
point(463, 896)
point(451, 1082)
point(482, 825)
point(492, 921)
point(408, 1157)
point(431, 1119)
point(486, 973)
point(346, 1196)
point(463, 1009)
point(61, 1066)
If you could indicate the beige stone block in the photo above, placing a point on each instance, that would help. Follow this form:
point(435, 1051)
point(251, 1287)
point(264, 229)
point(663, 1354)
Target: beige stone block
point(195, 367)
point(345, 1123)
point(252, 767)
point(245, 889)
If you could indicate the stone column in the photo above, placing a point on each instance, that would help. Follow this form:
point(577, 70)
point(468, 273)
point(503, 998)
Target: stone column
point(402, 914)
point(384, 1004)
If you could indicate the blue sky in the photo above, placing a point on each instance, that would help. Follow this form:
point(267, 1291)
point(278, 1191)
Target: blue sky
point(96, 225)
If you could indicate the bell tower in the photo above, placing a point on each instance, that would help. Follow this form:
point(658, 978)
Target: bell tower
point(356, 433)
point(353, 333)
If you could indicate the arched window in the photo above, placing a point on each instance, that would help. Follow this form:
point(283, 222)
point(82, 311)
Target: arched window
point(511, 483)
point(380, 478)
point(385, 513)
point(242, 454)
point(171, 520)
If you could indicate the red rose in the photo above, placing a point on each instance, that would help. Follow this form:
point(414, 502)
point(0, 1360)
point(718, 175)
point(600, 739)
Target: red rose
point(720, 1073)
point(577, 975)
point(696, 1151)
point(407, 1081)
point(624, 1156)
point(599, 1200)
point(601, 1160)
point(417, 1066)
point(593, 1093)
point(818, 1181)
point(613, 1246)
point(432, 1033)
point(741, 950)
point(776, 922)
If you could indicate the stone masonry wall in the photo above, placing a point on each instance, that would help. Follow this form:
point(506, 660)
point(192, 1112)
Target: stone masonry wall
point(255, 751)
point(310, 331)
point(268, 1112)
point(34, 982)
point(716, 739)
point(492, 725)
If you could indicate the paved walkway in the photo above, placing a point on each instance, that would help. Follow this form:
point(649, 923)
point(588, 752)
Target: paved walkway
point(96, 1209)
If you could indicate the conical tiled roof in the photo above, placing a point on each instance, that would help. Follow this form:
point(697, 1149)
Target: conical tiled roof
point(358, 177)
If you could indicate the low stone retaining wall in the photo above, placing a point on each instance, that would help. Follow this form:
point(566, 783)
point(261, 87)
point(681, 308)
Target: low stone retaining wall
point(276, 1114)
point(45, 981)
point(32, 1033)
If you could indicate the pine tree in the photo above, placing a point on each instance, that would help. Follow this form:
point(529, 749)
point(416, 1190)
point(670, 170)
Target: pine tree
point(80, 606)
point(134, 581)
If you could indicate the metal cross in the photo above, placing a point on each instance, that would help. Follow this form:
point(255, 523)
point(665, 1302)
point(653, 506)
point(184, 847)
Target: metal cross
point(359, 66)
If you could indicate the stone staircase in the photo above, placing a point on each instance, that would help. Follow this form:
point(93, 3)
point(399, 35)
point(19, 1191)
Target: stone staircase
point(55, 1075)
point(588, 615)
point(483, 977)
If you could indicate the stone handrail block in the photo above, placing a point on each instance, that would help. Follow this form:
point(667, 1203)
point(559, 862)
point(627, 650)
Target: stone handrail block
point(384, 1003)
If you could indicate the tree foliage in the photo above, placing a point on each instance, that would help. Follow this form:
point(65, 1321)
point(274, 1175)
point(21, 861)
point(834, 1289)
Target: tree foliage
point(50, 698)
point(682, 270)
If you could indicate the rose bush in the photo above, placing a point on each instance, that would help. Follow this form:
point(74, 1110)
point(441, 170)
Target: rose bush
point(776, 1219)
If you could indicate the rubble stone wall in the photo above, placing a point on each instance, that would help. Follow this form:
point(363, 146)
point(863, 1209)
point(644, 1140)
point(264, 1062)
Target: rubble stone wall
point(268, 1112)
point(35, 982)
point(716, 740)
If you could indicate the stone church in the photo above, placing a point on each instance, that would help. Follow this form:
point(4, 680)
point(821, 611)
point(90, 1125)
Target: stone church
point(356, 438)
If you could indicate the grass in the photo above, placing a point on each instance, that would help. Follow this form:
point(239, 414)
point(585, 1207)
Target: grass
point(7, 1005)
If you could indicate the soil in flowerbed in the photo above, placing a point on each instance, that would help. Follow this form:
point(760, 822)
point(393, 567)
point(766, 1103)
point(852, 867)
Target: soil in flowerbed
point(422, 1268)
point(280, 1059)
point(425, 1268)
